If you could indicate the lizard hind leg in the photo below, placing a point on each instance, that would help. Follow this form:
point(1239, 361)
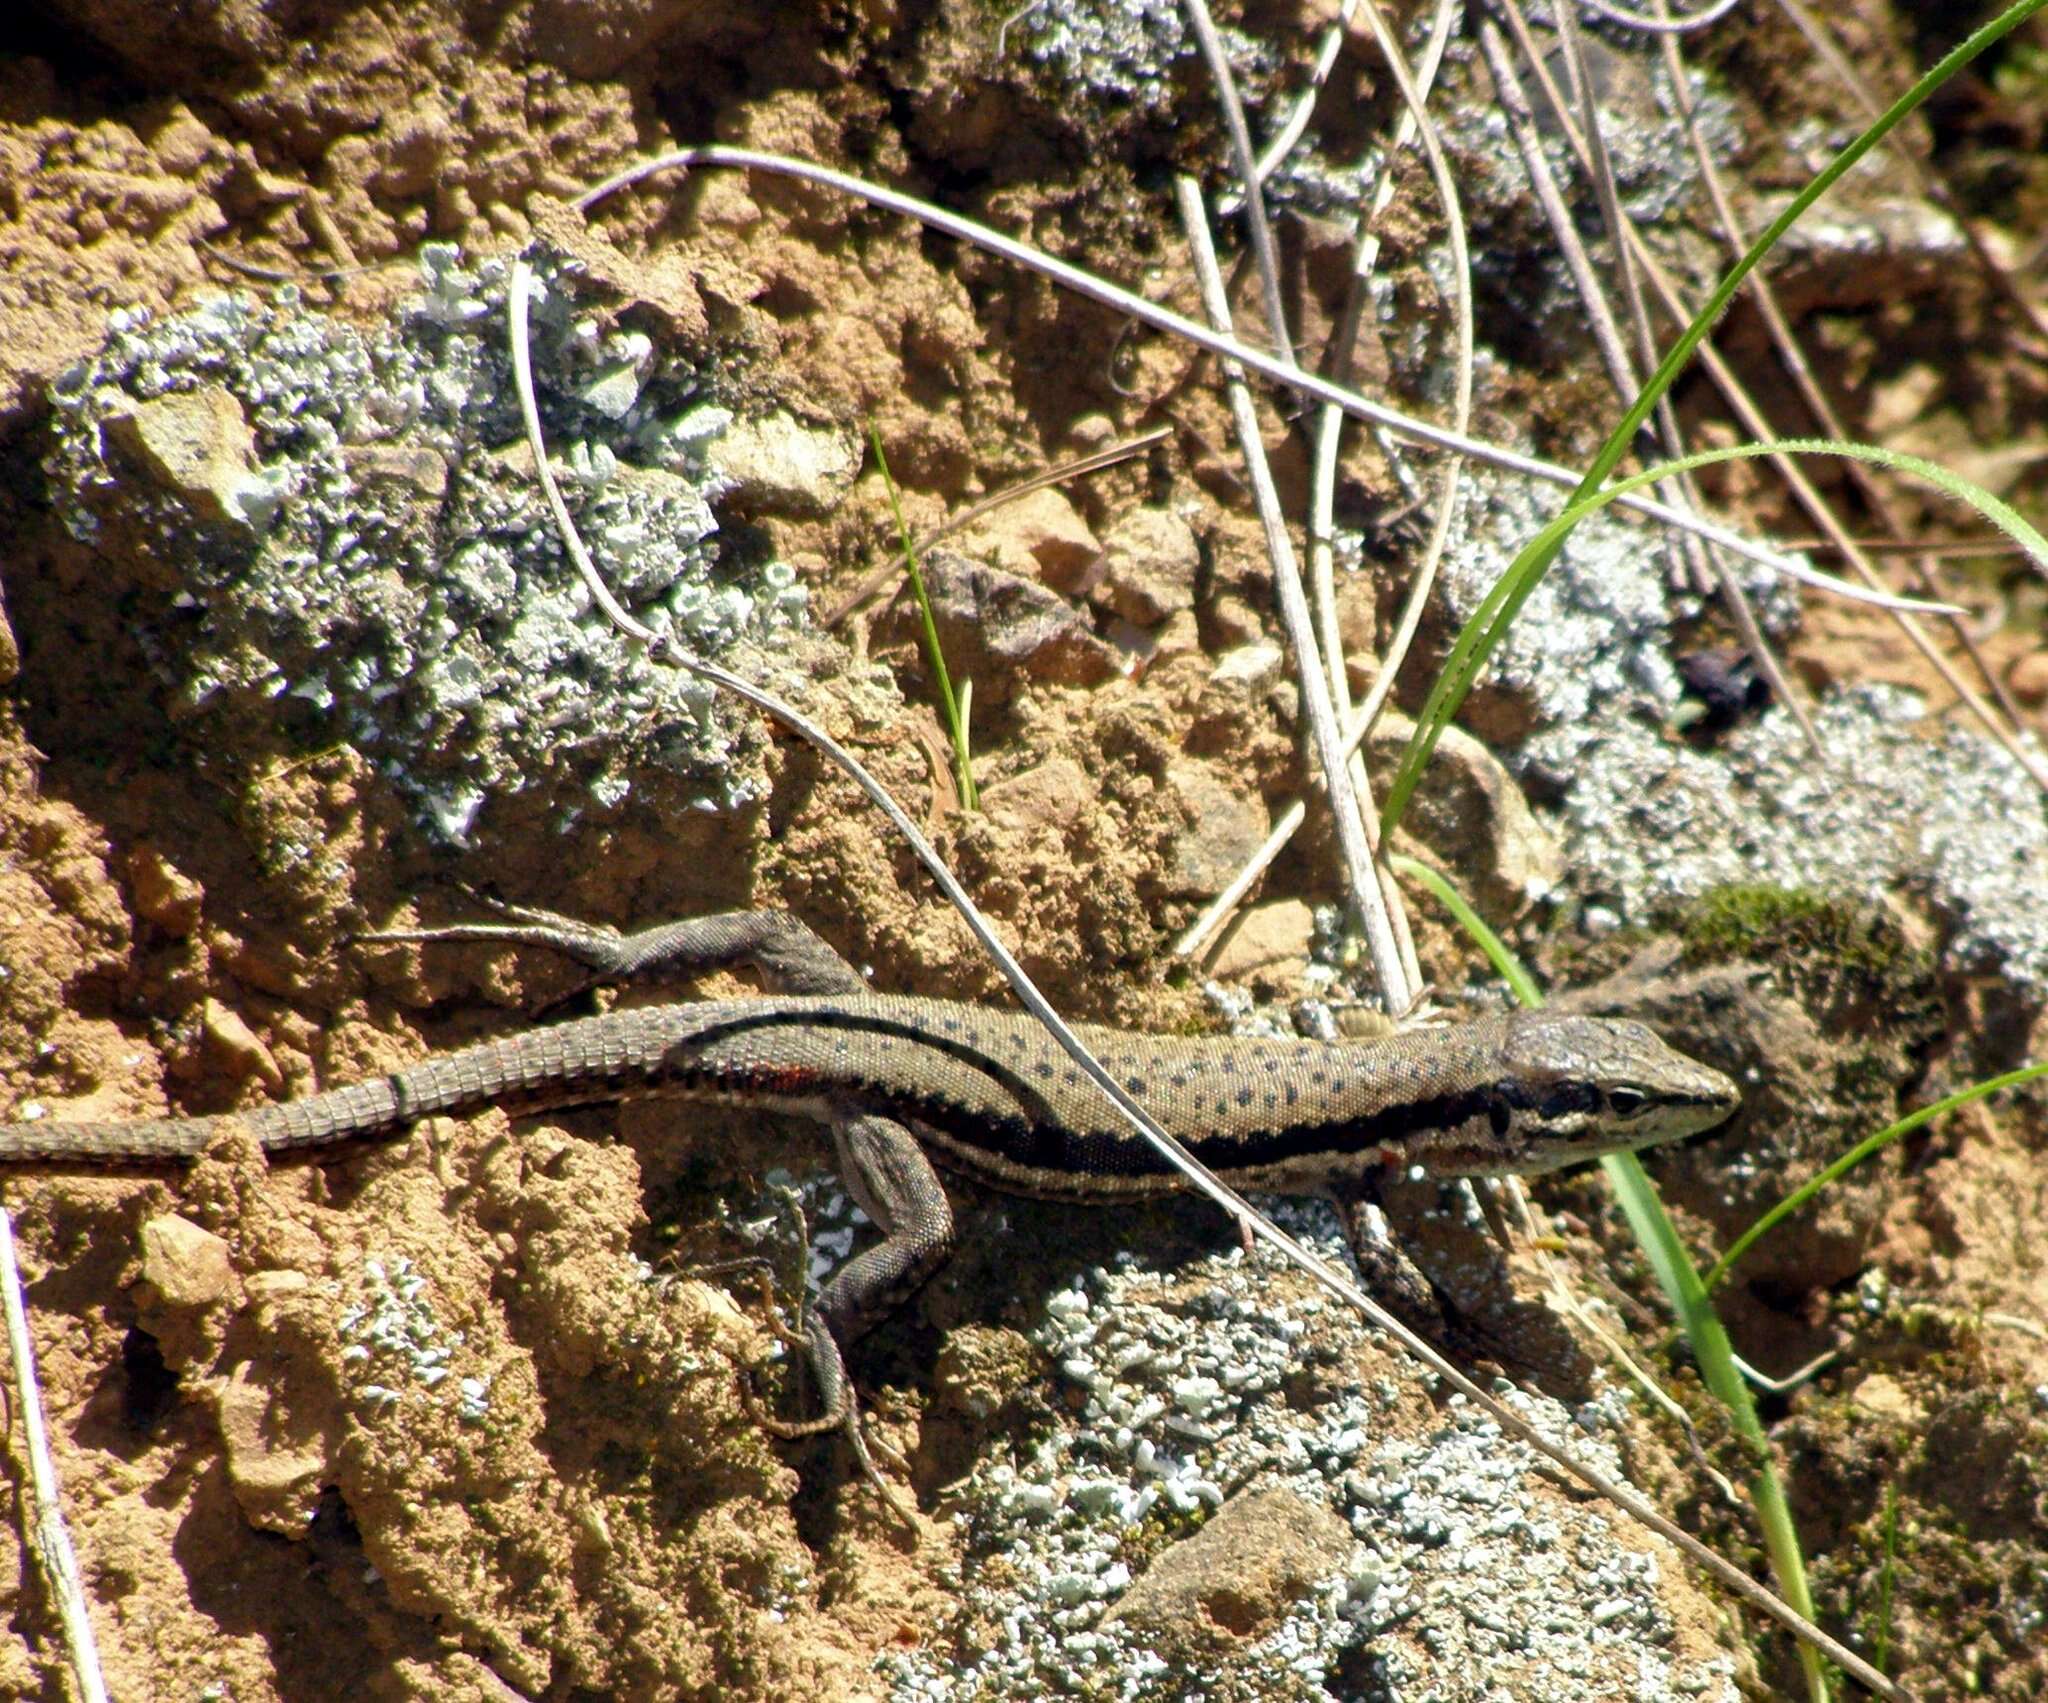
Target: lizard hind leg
point(842, 1409)
point(781, 948)
point(892, 1181)
point(828, 1373)
point(1522, 1338)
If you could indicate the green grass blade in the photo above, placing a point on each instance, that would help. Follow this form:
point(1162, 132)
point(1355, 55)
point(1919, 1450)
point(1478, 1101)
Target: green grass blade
point(1658, 1237)
point(1694, 334)
point(1505, 963)
point(1502, 604)
point(942, 681)
point(1654, 1232)
point(1881, 1633)
point(1856, 1155)
point(1715, 1357)
point(1487, 627)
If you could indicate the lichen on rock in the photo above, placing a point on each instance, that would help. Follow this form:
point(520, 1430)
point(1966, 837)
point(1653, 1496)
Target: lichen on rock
point(346, 521)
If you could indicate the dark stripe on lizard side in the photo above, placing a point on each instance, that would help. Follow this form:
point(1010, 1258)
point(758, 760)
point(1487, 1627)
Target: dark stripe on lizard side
point(1011, 1129)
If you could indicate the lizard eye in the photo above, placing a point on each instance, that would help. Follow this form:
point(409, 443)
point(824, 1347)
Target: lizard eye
point(1628, 1102)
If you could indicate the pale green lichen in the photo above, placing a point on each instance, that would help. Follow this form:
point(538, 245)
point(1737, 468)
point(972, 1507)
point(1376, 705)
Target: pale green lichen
point(386, 571)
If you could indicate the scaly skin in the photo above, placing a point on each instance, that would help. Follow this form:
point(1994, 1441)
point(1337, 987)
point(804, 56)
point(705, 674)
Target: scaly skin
point(903, 1082)
point(993, 1096)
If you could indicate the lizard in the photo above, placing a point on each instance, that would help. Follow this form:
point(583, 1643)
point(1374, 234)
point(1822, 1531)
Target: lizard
point(904, 1083)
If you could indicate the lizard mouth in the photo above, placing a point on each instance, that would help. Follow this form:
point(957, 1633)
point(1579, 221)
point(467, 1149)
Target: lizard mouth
point(1556, 1151)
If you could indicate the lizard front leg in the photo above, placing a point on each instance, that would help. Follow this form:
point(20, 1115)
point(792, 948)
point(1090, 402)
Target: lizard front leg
point(1521, 1338)
point(879, 1160)
point(1392, 1277)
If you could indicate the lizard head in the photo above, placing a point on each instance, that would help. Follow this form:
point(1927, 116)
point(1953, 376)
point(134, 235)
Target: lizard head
point(1578, 1087)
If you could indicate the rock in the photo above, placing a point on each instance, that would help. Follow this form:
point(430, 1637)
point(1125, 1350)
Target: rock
point(994, 627)
point(1471, 815)
point(186, 1275)
point(1237, 1577)
point(1150, 560)
point(1052, 795)
point(1235, 623)
point(231, 1045)
point(196, 445)
point(1725, 684)
point(1884, 1397)
point(1089, 433)
point(612, 390)
point(280, 1407)
point(1227, 828)
point(1135, 644)
point(1248, 669)
point(778, 464)
point(183, 1265)
point(1177, 636)
point(1039, 536)
point(2027, 679)
point(164, 895)
point(276, 1462)
point(420, 472)
point(182, 145)
point(1267, 943)
point(982, 1369)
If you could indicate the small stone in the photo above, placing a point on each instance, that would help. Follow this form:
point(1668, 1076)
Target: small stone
point(197, 446)
point(185, 1267)
point(1235, 623)
point(1052, 795)
point(419, 471)
point(231, 1045)
point(1237, 1577)
point(1268, 943)
point(1227, 828)
point(164, 895)
point(277, 1460)
point(182, 144)
point(1885, 1397)
point(186, 1278)
point(778, 464)
point(1249, 668)
point(612, 390)
point(2027, 679)
point(1091, 432)
point(1039, 536)
point(981, 1369)
point(994, 627)
point(1471, 814)
point(1135, 643)
point(1151, 558)
point(277, 1284)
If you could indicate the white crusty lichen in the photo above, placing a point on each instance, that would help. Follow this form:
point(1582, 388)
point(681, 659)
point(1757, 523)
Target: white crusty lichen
point(354, 529)
point(393, 1344)
point(1905, 800)
point(1139, 53)
point(1215, 1383)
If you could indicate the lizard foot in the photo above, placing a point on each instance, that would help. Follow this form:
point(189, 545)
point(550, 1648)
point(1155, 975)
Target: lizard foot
point(842, 1409)
point(597, 946)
